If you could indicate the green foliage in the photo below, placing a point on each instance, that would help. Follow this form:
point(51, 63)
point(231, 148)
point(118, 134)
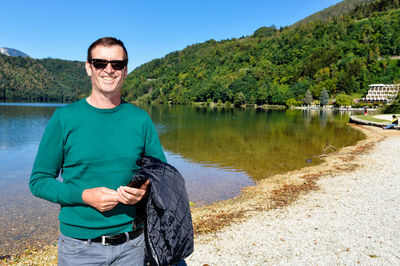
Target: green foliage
point(316, 102)
point(334, 11)
point(368, 9)
point(46, 80)
point(293, 102)
point(239, 99)
point(344, 100)
point(393, 108)
point(228, 104)
point(308, 97)
point(341, 55)
point(265, 32)
point(324, 98)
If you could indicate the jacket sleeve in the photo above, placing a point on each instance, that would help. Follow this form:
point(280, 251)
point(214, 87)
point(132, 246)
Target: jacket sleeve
point(49, 159)
point(153, 146)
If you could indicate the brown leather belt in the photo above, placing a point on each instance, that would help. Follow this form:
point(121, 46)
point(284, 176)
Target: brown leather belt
point(116, 239)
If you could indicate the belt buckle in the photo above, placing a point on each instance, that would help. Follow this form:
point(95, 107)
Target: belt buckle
point(103, 241)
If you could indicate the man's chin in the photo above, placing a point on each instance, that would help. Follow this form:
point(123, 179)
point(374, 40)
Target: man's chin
point(110, 92)
point(108, 89)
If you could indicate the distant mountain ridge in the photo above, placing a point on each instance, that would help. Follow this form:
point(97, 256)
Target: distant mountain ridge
point(336, 10)
point(12, 52)
point(42, 80)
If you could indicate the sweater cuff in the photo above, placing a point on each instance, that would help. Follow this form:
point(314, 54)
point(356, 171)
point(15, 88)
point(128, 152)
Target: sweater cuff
point(75, 196)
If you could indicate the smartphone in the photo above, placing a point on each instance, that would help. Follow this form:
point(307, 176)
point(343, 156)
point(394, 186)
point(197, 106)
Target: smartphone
point(136, 183)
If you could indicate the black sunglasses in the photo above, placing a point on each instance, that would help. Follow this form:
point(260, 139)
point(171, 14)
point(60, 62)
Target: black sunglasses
point(102, 64)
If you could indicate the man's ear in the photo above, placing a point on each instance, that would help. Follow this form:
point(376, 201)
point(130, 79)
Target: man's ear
point(88, 69)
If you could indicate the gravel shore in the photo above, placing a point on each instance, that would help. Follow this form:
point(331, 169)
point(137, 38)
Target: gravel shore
point(352, 218)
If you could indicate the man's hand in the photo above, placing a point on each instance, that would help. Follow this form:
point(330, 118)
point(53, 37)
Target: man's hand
point(101, 198)
point(130, 195)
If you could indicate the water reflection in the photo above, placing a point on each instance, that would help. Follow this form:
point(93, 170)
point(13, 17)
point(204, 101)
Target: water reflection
point(206, 183)
point(260, 143)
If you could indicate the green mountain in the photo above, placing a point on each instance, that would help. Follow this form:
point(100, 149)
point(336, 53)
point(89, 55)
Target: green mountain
point(341, 55)
point(340, 9)
point(45, 80)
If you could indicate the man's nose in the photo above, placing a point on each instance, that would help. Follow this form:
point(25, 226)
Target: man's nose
point(109, 68)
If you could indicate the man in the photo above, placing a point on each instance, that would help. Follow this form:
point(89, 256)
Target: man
point(95, 143)
point(393, 123)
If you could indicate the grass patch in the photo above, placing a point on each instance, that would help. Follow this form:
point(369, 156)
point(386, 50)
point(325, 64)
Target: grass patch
point(371, 118)
point(357, 95)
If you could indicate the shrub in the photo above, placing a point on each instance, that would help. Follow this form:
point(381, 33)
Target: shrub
point(239, 99)
point(316, 102)
point(394, 108)
point(344, 100)
point(292, 102)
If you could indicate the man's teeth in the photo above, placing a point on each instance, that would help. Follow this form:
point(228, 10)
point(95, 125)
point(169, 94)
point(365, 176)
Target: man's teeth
point(108, 78)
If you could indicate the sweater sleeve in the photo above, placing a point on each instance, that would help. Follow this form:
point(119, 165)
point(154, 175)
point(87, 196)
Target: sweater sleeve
point(49, 159)
point(153, 146)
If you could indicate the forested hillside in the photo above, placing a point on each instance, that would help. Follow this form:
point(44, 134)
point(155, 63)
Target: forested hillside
point(46, 80)
point(340, 9)
point(341, 55)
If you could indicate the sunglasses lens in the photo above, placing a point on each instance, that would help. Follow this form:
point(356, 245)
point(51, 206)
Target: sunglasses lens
point(99, 64)
point(115, 64)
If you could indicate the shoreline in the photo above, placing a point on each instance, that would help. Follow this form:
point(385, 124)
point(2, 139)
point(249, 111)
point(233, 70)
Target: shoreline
point(341, 212)
point(268, 194)
point(280, 190)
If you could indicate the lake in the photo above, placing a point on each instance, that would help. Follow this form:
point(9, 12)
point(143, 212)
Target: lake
point(217, 150)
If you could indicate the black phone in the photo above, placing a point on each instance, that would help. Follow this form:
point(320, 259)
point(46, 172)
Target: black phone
point(136, 183)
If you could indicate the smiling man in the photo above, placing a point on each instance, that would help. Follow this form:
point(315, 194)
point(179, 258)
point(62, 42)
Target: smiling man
point(95, 144)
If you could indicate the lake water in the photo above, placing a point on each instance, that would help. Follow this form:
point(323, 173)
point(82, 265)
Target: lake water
point(218, 151)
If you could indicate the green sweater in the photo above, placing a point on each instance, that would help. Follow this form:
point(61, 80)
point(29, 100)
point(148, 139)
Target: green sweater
point(92, 148)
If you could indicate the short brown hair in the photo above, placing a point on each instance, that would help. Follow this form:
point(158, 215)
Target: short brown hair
point(107, 41)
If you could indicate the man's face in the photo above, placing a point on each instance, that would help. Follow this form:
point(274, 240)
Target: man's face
point(107, 80)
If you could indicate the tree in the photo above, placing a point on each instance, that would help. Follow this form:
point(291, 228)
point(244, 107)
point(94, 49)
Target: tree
point(344, 100)
point(265, 31)
point(277, 96)
point(308, 98)
point(299, 89)
point(324, 98)
point(239, 99)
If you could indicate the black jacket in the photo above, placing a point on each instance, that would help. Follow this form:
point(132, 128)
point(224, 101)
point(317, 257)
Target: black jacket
point(168, 226)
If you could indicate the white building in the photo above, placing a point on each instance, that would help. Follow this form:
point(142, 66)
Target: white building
point(381, 92)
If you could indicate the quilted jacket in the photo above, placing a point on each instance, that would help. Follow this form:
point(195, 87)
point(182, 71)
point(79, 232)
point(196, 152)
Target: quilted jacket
point(168, 226)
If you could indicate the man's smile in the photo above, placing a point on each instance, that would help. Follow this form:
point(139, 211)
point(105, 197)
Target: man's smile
point(108, 78)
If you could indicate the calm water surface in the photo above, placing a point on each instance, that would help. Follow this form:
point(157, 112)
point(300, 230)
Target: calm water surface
point(218, 151)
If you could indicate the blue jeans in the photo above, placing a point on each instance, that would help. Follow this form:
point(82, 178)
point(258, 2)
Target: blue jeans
point(390, 126)
point(77, 252)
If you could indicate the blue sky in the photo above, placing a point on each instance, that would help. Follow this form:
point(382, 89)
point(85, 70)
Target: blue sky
point(150, 29)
